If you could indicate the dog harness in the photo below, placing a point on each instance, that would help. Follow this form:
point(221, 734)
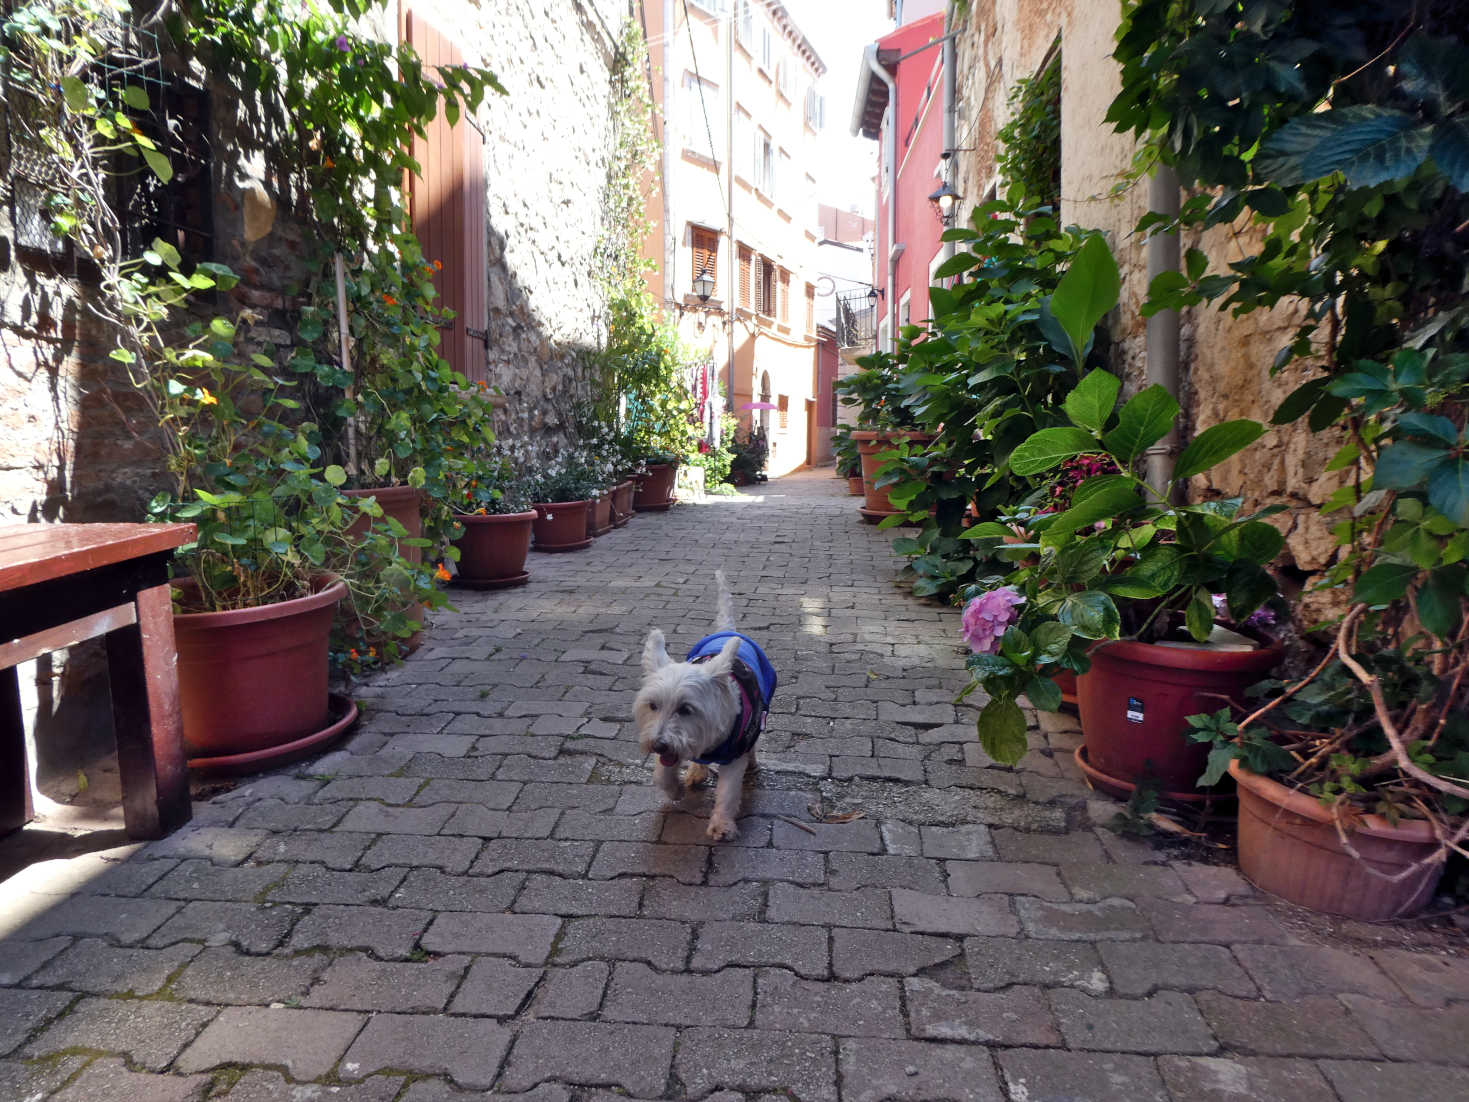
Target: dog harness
point(754, 679)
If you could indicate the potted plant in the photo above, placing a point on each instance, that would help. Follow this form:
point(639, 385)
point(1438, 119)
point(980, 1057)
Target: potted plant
point(1120, 588)
point(655, 485)
point(883, 421)
point(564, 493)
point(848, 459)
point(495, 520)
point(750, 450)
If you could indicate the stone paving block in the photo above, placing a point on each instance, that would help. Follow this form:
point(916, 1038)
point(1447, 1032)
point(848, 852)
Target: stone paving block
point(565, 858)
point(639, 994)
point(480, 822)
point(531, 746)
point(919, 912)
point(436, 767)
point(1110, 920)
point(307, 1043)
point(557, 895)
point(731, 865)
point(574, 992)
point(683, 863)
point(385, 932)
point(680, 828)
point(748, 1060)
point(901, 839)
point(276, 815)
point(859, 836)
point(355, 982)
point(199, 879)
point(32, 1081)
point(437, 1090)
point(869, 908)
point(867, 1008)
point(222, 975)
point(495, 795)
point(433, 890)
point(1141, 967)
point(1360, 1081)
point(1285, 972)
point(150, 1033)
point(586, 797)
point(1077, 847)
point(447, 745)
point(220, 845)
point(467, 1050)
point(414, 851)
point(800, 948)
point(996, 962)
point(1090, 883)
point(1218, 922)
point(375, 818)
point(634, 1057)
point(857, 953)
point(388, 790)
point(1165, 1022)
point(494, 987)
point(1427, 979)
point(859, 870)
point(335, 850)
point(971, 878)
point(19, 959)
point(917, 1071)
point(1317, 1026)
point(1213, 883)
point(126, 877)
point(1018, 1016)
point(1049, 1076)
point(99, 968)
point(696, 902)
point(572, 770)
point(598, 826)
point(1427, 1036)
point(272, 1086)
point(254, 927)
point(127, 921)
point(22, 1011)
point(969, 842)
point(315, 884)
point(1225, 1079)
point(664, 945)
point(527, 938)
point(108, 1080)
point(891, 769)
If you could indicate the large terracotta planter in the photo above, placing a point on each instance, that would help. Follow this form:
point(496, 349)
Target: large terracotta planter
point(870, 445)
point(1134, 700)
point(1066, 681)
point(655, 488)
point(622, 509)
point(492, 550)
point(855, 485)
point(253, 682)
point(561, 525)
point(1288, 846)
point(403, 504)
point(601, 519)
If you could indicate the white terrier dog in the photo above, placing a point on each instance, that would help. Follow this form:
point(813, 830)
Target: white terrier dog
point(706, 710)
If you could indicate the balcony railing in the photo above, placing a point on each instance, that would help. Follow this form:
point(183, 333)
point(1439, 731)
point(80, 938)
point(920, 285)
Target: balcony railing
point(856, 320)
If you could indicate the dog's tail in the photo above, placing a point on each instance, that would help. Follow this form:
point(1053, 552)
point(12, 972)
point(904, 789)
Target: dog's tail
point(724, 619)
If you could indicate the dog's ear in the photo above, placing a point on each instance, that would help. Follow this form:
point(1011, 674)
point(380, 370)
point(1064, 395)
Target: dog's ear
point(655, 655)
point(721, 665)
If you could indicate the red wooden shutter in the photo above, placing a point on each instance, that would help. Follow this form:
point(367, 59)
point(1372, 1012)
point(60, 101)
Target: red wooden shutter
point(446, 202)
point(705, 245)
point(747, 261)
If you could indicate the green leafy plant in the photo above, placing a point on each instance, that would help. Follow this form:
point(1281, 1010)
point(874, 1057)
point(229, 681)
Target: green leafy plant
point(1029, 144)
point(848, 459)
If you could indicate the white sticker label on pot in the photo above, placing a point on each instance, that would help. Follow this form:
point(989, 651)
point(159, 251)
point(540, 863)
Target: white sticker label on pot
point(1134, 710)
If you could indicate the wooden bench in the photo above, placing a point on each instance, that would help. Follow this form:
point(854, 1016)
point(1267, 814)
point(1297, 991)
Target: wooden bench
point(63, 583)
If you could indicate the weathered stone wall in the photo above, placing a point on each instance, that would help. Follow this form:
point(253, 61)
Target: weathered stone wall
point(1225, 361)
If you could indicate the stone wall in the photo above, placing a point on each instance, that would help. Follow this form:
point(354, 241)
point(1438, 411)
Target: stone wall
point(1225, 360)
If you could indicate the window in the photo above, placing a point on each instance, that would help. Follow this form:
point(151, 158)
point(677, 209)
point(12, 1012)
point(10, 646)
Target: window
point(783, 412)
point(765, 283)
point(785, 296)
point(904, 309)
point(810, 308)
point(745, 22)
point(764, 164)
point(785, 77)
point(815, 109)
point(717, 7)
point(747, 264)
point(767, 49)
point(703, 118)
point(704, 244)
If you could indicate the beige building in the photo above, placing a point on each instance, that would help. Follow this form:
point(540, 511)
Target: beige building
point(733, 84)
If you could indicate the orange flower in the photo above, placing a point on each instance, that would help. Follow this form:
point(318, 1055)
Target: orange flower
point(372, 652)
point(352, 654)
point(329, 163)
point(390, 300)
point(207, 399)
point(441, 574)
point(480, 511)
point(438, 266)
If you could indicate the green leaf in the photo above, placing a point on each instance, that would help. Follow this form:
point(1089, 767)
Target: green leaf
point(1001, 729)
point(1091, 614)
point(166, 252)
point(1199, 616)
point(1448, 490)
point(1431, 425)
point(135, 97)
point(1299, 401)
point(75, 93)
point(1254, 541)
point(1144, 421)
point(986, 530)
point(1218, 765)
point(222, 327)
point(1216, 444)
point(1117, 495)
point(1385, 583)
point(1043, 693)
point(1439, 608)
point(1050, 639)
point(1090, 403)
point(158, 163)
point(1405, 465)
point(1086, 292)
point(1367, 143)
point(1450, 151)
point(1044, 449)
point(1247, 586)
point(335, 475)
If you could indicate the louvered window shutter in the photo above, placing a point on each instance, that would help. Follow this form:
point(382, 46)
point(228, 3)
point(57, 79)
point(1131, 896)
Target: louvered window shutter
point(447, 205)
point(746, 262)
point(705, 246)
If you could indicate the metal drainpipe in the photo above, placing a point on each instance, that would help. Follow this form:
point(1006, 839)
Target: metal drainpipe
point(1162, 338)
point(882, 74)
point(951, 166)
point(732, 279)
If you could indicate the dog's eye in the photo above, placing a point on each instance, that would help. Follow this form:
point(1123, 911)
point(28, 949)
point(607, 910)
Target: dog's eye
point(652, 705)
point(685, 710)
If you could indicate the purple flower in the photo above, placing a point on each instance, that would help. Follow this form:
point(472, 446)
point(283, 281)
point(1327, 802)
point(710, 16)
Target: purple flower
point(987, 616)
point(343, 44)
point(1261, 618)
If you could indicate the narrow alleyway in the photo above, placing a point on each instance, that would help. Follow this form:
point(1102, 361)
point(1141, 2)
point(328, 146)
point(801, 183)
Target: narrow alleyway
point(481, 891)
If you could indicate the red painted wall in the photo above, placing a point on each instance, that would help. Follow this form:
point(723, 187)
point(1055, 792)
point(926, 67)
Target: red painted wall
point(920, 129)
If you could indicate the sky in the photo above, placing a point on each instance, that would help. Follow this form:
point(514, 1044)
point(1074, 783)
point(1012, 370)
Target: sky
point(839, 29)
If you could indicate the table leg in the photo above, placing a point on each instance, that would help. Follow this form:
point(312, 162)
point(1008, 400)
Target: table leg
point(15, 776)
point(143, 665)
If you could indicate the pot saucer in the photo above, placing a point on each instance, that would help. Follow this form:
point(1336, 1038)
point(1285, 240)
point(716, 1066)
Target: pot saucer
point(1116, 786)
point(341, 714)
point(493, 583)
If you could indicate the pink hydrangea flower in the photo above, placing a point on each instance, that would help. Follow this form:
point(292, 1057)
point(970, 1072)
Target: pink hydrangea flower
point(987, 616)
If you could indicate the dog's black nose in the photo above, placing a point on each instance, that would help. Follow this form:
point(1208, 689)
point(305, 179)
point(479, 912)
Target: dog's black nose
point(660, 747)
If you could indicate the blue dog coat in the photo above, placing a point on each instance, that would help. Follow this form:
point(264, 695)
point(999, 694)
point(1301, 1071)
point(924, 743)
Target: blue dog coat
point(754, 676)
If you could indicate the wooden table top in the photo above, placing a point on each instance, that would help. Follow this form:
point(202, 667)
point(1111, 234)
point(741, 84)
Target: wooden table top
point(32, 553)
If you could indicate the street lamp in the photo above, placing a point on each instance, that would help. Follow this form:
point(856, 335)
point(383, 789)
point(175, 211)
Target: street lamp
point(704, 285)
point(944, 199)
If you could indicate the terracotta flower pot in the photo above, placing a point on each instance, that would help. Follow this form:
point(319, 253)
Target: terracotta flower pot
point(601, 519)
point(253, 682)
point(1134, 700)
point(870, 445)
point(1066, 681)
point(561, 525)
point(1288, 846)
point(622, 509)
point(405, 505)
point(655, 488)
point(493, 548)
point(855, 486)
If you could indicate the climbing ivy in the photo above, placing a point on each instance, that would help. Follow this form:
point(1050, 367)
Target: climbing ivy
point(1029, 145)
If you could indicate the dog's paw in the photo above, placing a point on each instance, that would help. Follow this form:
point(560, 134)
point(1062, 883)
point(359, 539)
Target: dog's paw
point(721, 829)
point(696, 774)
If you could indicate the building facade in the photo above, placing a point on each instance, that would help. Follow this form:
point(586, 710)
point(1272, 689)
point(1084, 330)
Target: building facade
point(733, 84)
